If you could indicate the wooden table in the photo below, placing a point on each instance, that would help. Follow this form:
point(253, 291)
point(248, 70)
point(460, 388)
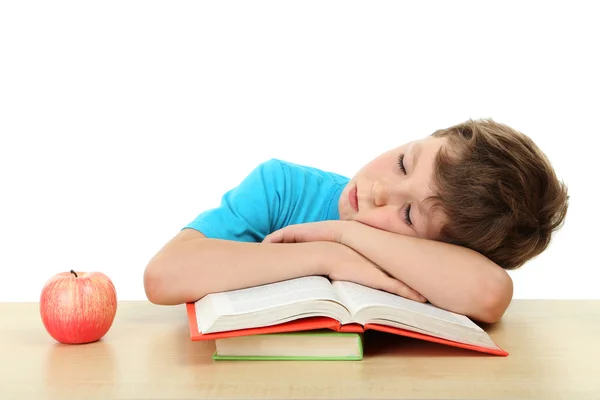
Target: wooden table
point(554, 351)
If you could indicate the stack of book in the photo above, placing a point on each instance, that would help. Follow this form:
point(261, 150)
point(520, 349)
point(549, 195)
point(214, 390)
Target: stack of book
point(313, 318)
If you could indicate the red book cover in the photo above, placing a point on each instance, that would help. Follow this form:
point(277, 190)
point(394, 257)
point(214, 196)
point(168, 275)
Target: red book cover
point(323, 323)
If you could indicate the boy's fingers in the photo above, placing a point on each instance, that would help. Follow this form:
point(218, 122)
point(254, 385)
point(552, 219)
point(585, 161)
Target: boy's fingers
point(409, 293)
point(401, 289)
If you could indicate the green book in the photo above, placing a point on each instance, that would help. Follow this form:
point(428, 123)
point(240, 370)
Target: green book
point(305, 345)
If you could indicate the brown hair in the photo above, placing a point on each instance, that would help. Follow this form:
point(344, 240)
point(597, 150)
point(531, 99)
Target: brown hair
point(498, 191)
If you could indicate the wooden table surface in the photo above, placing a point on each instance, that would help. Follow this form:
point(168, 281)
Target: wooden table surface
point(554, 348)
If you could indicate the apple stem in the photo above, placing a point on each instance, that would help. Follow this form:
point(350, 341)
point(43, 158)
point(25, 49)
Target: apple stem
point(73, 272)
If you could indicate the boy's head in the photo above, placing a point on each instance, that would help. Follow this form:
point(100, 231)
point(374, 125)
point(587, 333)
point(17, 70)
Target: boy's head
point(478, 184)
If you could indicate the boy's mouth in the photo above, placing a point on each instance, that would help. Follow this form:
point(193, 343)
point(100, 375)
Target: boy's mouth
point(353, 198)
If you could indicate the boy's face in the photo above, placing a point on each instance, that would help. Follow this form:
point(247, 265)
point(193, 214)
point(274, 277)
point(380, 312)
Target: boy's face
point(388, 192)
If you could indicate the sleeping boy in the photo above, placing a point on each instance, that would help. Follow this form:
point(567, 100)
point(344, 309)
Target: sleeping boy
point(439, 219)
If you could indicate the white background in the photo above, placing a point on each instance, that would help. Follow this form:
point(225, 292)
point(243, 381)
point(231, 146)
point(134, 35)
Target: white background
point(121, 121)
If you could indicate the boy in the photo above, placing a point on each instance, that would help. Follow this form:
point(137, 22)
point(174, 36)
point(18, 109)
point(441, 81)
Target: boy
point(439, 219)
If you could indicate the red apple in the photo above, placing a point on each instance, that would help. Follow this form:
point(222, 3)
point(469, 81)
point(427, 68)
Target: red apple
point(78, 307)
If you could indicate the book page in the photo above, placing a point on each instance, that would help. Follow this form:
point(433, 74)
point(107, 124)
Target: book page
point(357, 297)
point(271, 295)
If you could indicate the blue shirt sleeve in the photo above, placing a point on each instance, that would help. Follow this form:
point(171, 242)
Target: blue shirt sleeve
point(249, 211)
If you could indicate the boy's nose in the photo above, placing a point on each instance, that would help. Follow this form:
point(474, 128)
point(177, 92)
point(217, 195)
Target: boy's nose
point(379, 193)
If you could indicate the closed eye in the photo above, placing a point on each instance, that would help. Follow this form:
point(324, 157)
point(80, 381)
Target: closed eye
point(401, 163)
point(407, 215)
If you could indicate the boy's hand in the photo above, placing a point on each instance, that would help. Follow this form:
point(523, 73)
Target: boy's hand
point(345, 264)
point(324, 231)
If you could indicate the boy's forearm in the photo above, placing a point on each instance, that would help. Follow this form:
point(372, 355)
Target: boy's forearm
point(188, 270)
point(451, 277)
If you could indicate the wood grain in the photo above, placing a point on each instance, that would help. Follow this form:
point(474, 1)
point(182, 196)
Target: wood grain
point(554, 348)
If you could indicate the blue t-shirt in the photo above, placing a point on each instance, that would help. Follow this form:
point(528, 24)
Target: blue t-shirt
point(274, 195)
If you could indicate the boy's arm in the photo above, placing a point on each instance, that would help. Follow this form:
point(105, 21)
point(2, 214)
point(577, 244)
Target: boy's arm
point(190, 266)
point(449, 276)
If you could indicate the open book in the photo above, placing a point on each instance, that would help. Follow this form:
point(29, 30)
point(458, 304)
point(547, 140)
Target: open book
point(314, 302)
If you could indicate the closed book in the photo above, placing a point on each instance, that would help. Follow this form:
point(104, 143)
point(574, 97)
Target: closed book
point(321, 344)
